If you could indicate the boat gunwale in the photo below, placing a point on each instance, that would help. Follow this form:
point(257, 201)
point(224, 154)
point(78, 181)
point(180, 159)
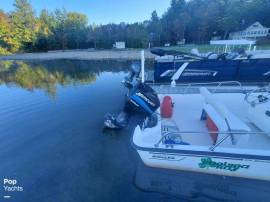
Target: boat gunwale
point(213, 154)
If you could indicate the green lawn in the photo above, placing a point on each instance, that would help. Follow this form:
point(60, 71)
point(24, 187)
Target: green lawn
point(207, 48)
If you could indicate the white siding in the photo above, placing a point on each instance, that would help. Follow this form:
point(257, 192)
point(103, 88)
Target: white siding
point(256, 30)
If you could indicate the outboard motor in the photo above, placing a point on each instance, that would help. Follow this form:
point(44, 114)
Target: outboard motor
point(134, 73)
point(140, 100)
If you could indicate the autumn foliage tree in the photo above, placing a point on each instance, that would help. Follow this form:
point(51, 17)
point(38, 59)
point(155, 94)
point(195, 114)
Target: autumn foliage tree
point(196, 21)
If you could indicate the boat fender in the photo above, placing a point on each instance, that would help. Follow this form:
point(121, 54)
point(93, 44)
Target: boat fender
point(166, 107)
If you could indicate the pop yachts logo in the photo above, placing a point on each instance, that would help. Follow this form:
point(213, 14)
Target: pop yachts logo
point(209, 163)
point(11, 185)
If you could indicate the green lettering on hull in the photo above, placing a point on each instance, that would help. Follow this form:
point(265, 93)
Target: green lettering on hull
point(209, 163)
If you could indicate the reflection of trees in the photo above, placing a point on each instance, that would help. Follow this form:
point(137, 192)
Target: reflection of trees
point(46, 75)
point(36, 76)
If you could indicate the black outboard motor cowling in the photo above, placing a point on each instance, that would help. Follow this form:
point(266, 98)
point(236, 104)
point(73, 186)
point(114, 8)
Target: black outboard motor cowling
point(142, 99)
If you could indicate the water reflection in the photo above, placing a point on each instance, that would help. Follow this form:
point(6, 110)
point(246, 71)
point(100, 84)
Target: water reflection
point(48, 74)
point(57, 149)
point(194, 186)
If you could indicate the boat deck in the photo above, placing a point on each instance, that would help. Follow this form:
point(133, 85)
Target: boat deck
point(187, 115)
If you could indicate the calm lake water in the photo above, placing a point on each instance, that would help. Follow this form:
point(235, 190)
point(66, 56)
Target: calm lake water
point(53, 143)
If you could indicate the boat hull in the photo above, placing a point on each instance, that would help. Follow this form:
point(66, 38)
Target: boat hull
point(227, 166)
point(206, 70)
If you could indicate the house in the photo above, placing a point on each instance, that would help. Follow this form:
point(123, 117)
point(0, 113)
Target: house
point(253, 32)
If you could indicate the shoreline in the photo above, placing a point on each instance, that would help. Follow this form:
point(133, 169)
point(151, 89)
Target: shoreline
point(82, 55)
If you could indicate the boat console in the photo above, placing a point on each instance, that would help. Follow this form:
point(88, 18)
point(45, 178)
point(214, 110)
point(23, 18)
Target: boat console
point(259, 109)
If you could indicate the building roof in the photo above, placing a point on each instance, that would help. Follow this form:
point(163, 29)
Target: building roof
point(251, 26)
point(256, 25)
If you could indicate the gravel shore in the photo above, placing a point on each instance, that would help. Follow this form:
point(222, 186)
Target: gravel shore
point(81, 55)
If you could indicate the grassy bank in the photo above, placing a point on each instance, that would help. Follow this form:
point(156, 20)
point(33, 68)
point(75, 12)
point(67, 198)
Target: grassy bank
point(207, 48)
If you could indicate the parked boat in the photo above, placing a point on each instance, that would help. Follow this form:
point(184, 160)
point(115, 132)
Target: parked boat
point(215, 128)
point(215, 132)
point(210, 67)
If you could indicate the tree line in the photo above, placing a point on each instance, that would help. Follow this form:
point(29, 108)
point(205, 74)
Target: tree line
point(196, 21)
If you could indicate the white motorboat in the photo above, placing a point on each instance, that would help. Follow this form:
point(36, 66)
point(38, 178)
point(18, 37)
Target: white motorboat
point(224, 133)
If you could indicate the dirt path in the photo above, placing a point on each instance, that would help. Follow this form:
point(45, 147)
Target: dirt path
point(81, 55)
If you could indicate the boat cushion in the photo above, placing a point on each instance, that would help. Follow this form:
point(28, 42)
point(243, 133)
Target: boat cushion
point(212, 128)
point(215, 117)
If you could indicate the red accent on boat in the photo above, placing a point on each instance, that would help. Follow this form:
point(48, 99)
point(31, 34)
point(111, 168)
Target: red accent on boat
point(212, 128)
point(166, 107)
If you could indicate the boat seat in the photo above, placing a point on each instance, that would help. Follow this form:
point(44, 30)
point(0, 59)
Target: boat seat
point(223, 118)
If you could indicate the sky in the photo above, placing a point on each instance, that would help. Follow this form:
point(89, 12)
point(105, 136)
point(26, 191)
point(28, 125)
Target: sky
point(101, 11)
